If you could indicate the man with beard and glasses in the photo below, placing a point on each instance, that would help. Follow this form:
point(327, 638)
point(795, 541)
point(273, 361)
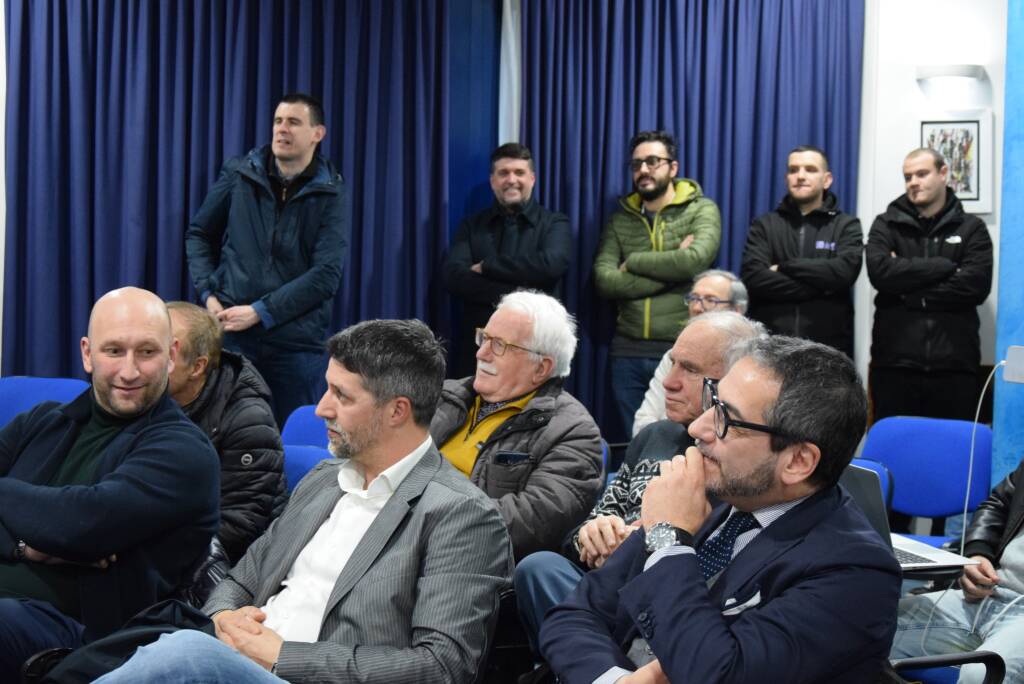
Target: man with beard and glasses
point(108, 500)
point(515, 432)
point(515, 243)
point(663, 235)
point(386, 565)
point(785, 580)
point(704, 348)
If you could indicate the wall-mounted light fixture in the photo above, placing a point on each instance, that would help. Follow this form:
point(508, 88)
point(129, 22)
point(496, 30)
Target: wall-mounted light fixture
point(955, 86)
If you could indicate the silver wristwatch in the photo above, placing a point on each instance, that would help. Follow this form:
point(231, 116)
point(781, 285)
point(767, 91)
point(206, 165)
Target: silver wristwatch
point(663, 534)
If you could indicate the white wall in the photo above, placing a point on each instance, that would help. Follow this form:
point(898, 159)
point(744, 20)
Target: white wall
point(899, 37)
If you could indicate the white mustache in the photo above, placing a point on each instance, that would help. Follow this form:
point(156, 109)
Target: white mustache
point(486, 367)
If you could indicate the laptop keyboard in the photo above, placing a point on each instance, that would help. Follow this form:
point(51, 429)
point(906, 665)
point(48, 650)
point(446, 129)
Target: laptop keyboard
point(907, 558)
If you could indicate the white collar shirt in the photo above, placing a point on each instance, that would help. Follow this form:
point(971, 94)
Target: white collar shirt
point(297, 611)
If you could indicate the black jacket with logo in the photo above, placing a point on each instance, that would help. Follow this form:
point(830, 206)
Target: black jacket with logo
point(931, 275)
point(819, 257)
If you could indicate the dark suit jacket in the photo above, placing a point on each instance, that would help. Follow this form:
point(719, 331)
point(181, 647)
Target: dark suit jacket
point(416, 598)
point(812, 598)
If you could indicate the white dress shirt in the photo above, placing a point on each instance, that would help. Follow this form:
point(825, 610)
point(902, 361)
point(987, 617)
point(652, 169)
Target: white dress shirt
point(297, 611)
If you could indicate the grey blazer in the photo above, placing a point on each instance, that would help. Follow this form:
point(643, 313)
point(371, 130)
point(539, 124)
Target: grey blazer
point(417, 599)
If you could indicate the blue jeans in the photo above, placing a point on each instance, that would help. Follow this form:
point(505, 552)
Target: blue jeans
point(542, 580)
point(943, 622)
point(189, 656)
point(28, 626)
point(630, 378)
point(295, 378)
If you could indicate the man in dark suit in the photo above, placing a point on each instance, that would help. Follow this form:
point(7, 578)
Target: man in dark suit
point(784, 581)
point(386, 564)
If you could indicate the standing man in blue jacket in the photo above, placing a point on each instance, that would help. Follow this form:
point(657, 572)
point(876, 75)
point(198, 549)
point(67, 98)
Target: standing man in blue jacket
point(266, 251)
point(106, 502)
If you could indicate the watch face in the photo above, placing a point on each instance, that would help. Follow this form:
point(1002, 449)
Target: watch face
point(660, 536)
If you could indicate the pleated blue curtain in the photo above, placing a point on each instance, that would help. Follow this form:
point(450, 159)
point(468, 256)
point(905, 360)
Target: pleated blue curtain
point(119, 115)
point(739, 83)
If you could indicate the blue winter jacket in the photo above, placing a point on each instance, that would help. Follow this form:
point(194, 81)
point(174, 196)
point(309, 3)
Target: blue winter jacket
point(287, 265)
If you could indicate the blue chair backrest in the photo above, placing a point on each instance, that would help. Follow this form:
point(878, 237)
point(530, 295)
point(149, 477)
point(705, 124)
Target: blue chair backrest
point(19, 393)
point(927, 459)
point(299, 459)
point(304, 427)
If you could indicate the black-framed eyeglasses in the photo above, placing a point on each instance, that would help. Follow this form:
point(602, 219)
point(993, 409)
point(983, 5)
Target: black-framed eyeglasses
point(652, 162)
point(707, 301)
point(723, 421)
point(498, 345)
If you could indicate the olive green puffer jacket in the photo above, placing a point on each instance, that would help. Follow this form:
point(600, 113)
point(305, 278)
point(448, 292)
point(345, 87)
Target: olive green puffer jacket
point(658, 274)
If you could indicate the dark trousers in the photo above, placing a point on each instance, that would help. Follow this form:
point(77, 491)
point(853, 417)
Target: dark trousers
point(631, 376)
point(295, 378)
point(931, 394)
point(27, 627)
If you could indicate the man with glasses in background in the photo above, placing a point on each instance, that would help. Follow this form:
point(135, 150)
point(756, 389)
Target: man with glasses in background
point(801, 260)
point(515, 432)
point(663, 234)
point(785, 580)
point(713, 290)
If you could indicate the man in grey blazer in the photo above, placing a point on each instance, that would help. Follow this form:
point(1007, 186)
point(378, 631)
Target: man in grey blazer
point(386, 564)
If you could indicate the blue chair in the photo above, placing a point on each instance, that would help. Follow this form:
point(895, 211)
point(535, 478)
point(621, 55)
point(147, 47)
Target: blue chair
point(927, 459)
point(304, 427)
point(299, 459)
point(19, 393)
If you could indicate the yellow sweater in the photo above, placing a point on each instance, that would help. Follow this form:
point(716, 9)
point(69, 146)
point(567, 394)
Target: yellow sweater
point(463, 447)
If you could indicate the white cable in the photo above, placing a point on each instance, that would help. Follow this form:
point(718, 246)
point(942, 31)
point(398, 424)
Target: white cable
point(970, 460)
point(963, 527)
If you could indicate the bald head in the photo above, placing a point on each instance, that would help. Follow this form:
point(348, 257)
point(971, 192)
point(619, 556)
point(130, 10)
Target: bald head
point(129, 351)
point(129, 302)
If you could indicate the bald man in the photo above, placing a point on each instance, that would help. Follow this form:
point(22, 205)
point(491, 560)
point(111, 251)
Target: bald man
point(108, 500)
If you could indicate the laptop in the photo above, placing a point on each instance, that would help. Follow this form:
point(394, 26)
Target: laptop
point(866, 490)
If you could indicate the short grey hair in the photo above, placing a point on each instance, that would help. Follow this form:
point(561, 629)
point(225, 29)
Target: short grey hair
point(737, 290)
point(739, 332)
point(553, 327)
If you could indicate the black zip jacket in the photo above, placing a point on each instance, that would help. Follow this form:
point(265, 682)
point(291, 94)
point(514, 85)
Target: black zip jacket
point(926, 308)
point(998, 519)
point(819, 257)
point(528, 249)
point(233, 409)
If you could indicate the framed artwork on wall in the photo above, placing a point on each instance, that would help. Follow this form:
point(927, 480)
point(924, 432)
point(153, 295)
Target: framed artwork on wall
point(967, 145)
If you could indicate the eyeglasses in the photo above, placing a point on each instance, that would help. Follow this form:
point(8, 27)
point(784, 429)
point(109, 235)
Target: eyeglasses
point(723, 421)
point(498, 345)
point(652, 162)
point(706, 302)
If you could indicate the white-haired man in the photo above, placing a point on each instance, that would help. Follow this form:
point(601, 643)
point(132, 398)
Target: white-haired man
point(513, 430)
point(712, 290)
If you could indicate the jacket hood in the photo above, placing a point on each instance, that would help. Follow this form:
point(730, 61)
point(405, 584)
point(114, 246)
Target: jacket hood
point(686, 190)
point(829, 205)
point(902, 211)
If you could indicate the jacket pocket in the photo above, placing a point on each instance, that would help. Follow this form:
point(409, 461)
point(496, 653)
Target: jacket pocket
point(507, 473)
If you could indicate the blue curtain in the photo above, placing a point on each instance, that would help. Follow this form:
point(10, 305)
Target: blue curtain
point(739, 83)
point(119, 115)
